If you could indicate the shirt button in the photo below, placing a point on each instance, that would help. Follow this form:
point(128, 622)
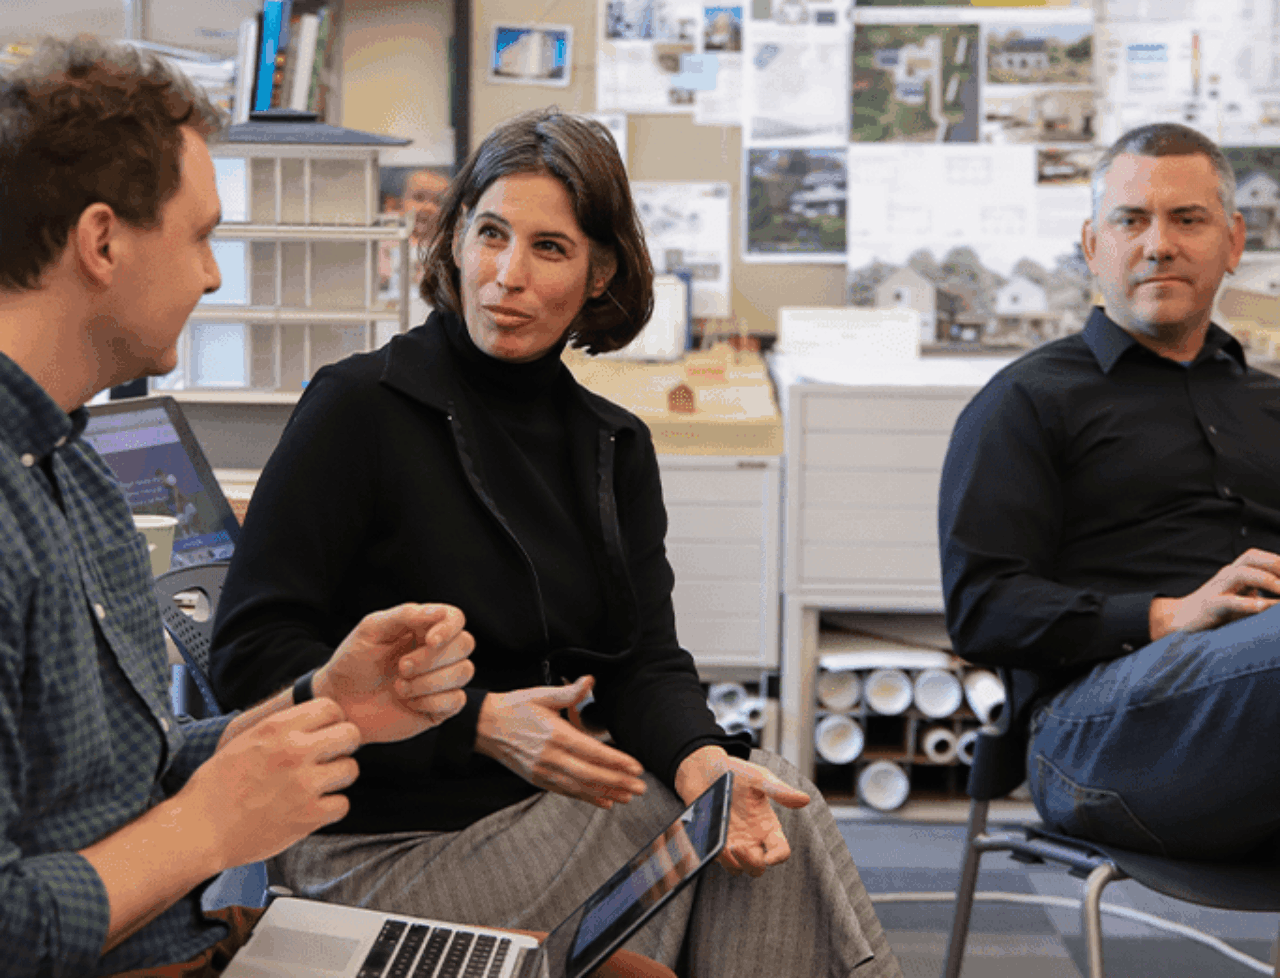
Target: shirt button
point(1244, 531)
point(28, 459)
point(164, 724)
point(1226, 490)
point(1213, 430)
point(100, 611)
point(1127, 647)
point(60, 442)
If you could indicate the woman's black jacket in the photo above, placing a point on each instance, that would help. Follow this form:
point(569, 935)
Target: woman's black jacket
point(377, 495)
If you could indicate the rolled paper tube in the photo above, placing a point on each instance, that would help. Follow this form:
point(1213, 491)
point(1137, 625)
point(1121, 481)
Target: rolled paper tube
point(753, 712)
point(938, 693)
point(725, 699)
point(888, 691)
point(966, 744)
point(839, 689)
point(939, 745)
point(883, 785)
point(736, 725)
point(838, 738)
point(984, 691)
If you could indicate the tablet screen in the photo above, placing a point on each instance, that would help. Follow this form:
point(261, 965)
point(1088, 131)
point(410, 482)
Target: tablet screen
point(651, 877)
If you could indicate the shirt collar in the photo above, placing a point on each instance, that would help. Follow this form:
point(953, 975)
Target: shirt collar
point(31, 422)
point(1109, 342)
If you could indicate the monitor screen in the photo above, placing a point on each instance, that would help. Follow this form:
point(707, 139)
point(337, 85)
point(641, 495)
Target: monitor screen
point(163, 472)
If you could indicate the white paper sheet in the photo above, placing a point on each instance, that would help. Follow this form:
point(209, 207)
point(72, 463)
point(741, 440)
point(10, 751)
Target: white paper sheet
point(796, 83)
point(1212, 65)
point(639, 54)
point(940, 192)
point(686, 226)
point(721, 105)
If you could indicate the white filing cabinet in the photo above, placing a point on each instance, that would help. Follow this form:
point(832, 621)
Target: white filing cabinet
point(863, 463)
point(722, 540)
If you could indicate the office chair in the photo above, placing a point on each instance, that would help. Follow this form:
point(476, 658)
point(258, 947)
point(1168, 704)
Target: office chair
point(193, 636)
point(999, 766)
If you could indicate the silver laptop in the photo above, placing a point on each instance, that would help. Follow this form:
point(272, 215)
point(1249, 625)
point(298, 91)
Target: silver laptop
point(304, 937)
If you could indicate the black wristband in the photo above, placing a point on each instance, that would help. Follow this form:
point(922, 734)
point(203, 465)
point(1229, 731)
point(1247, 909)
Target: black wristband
point(302, 688)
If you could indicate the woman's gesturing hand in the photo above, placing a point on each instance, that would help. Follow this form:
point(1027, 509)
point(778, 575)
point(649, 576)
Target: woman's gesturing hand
point(756, 840)
point(523, 729)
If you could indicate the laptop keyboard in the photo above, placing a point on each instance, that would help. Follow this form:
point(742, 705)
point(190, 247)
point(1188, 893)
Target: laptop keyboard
point(404, 950)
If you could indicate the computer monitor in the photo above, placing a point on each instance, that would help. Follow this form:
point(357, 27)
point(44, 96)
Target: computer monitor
point(163, 471)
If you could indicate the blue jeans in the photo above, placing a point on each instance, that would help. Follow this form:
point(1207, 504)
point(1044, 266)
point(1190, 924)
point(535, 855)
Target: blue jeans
point(1173, 749)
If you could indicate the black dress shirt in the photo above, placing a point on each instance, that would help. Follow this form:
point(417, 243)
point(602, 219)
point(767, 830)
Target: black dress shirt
point(1091, 476)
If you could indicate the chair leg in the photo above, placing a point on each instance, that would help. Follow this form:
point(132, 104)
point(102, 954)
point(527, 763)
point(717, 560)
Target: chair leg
point(964, 891)
point(1091, 915)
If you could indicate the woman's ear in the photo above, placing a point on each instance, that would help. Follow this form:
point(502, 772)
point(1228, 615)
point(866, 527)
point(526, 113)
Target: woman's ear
point(602, 273)
point(460, 232)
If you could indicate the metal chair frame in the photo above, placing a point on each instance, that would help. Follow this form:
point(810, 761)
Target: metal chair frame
point(999, 767)
point(1096, 870)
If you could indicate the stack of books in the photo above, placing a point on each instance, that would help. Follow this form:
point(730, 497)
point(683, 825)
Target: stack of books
point(283, 58)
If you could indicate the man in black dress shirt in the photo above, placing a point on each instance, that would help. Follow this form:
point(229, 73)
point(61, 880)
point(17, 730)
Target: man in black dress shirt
point(1110, 521)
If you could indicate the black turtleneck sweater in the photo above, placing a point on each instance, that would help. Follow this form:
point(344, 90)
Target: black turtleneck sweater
point(528, 467)
point(429, 471)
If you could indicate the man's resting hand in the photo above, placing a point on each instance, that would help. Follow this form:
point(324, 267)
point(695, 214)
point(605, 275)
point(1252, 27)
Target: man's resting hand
point(1246, 586)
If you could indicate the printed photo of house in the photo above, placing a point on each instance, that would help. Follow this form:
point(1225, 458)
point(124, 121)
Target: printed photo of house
point(1039, 54)
point(795, 202)
point(964, 298)
point(1039, 116)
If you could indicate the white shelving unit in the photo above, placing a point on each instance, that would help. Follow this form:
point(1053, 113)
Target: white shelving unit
point(305, 281)
point(863, 462)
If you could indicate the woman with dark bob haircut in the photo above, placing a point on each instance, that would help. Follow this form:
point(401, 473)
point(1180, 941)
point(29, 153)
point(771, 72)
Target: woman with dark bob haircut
point(462, 463)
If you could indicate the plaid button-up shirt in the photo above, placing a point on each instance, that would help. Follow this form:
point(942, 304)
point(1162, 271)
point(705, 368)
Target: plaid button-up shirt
point(88, 739)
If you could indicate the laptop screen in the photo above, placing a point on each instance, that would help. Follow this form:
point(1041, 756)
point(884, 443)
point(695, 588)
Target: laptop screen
point(162, 471)
point(650, 878)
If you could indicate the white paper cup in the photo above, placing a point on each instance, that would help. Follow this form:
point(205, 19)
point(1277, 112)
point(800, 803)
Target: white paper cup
point(939, 745)
point(883, 785)
point(838, 739)
point(839, 689)
point(966, 744)
point(158, 531)
point(888, 691)
point(938, 693)
point(984, 691)
point(726, 699)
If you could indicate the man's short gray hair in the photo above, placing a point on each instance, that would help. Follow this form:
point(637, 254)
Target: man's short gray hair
point(1167, 139)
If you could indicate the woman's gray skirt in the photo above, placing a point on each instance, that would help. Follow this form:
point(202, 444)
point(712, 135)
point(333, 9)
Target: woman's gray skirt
point(529, 866)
